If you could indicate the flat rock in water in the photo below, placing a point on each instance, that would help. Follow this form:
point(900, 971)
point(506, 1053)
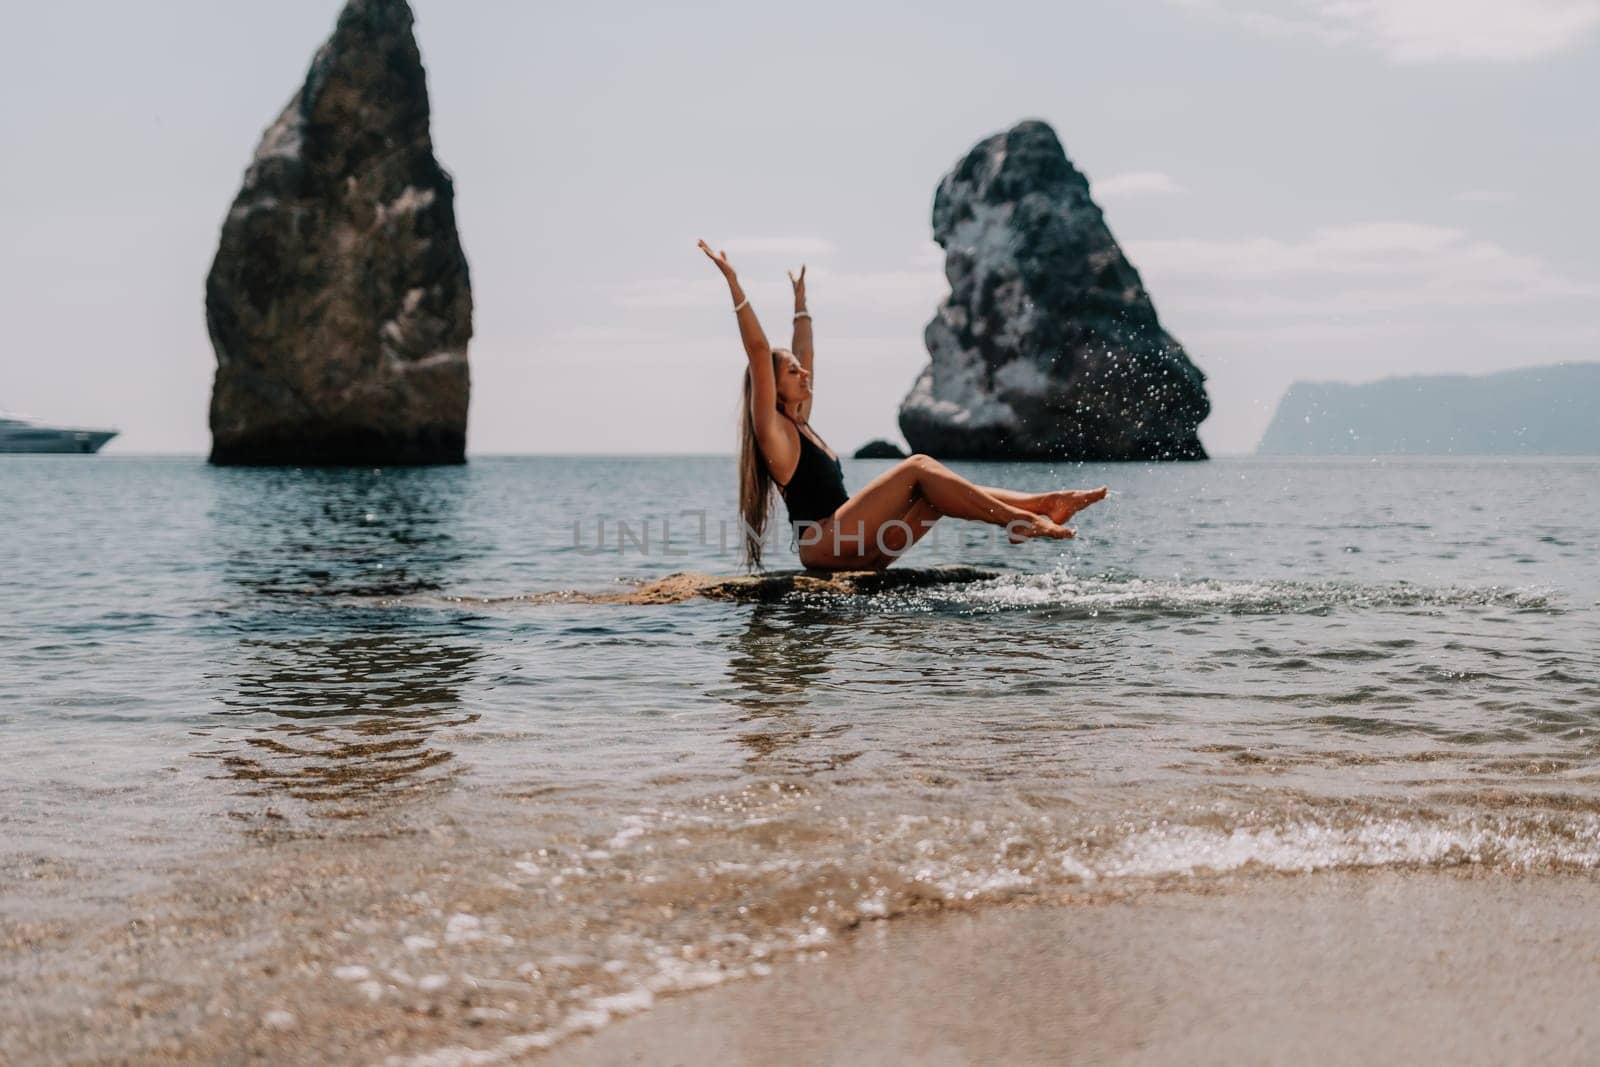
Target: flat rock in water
point(339, 303)
point(764, 588)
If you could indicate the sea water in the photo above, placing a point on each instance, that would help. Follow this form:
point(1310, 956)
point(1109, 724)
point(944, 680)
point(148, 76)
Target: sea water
point(1240, 668)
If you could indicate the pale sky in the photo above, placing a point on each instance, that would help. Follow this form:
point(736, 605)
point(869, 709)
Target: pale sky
point(1312, 189)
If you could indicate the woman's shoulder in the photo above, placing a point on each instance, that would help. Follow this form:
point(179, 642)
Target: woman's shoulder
point(781, 427)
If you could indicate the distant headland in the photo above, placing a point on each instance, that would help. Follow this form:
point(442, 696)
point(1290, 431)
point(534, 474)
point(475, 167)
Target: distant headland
point(1537, 411)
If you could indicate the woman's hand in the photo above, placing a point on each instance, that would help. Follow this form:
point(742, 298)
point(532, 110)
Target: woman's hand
point(799, 283)
point(720, 259)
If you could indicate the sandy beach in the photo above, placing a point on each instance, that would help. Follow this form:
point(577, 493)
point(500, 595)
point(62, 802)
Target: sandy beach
point(255, 959)
point(1354, 967)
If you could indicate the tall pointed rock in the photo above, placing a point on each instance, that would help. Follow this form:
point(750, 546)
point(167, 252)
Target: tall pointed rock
point(339, 304)
point(1048, 346)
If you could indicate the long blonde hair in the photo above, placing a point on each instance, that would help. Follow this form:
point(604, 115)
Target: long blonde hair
point(755, 481)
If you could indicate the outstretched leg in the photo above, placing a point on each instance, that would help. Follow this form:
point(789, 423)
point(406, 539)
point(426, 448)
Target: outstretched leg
point(852, 537)
point(1059, 506)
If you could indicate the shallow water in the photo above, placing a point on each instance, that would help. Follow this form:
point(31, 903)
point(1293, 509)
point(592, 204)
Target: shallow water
point(1243, 665)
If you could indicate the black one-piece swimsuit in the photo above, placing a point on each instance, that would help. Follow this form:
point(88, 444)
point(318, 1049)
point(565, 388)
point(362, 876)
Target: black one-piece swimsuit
point(816, 488)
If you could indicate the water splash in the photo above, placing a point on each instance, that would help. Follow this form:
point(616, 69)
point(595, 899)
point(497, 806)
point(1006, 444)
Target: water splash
point(1065, 591)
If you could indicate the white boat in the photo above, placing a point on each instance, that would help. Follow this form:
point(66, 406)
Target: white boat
point(19, 433)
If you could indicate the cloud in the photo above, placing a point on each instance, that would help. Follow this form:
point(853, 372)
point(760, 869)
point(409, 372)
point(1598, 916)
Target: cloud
point(660, 293)
point(1134, 183)
point(1349, 270)
point(606, 335)
point(1485, 196)
point(885, 290)
point(1419, 31)
point(775, 246)
point(1370, 268)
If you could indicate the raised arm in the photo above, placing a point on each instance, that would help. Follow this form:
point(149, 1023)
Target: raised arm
point(801, 345)
point(763, 389)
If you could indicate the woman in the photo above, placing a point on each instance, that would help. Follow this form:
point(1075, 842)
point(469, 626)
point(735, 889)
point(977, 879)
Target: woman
point(838, 531)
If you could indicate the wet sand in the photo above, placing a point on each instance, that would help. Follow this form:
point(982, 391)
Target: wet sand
point(267, 959)
point(1341, 968)
point(430, 941)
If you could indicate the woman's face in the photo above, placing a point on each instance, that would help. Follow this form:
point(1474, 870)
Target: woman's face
point(794, 381)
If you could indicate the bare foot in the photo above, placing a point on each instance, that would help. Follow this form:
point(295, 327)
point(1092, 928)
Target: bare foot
point(1020, 530)
point(1063, 505)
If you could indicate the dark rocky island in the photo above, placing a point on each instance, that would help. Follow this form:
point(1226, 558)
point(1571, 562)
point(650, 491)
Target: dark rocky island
point(339, 304)
point(1048, 346)
point(878, 448)
point(1538, 411)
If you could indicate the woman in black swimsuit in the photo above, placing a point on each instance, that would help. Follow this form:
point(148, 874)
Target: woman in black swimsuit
point(838, 531)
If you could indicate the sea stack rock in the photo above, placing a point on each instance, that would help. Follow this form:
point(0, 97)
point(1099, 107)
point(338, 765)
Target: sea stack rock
point(1048, 346)
point(878, 448)
point(339, 304)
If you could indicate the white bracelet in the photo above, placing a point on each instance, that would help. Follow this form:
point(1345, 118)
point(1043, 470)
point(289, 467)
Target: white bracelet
point(802, 314)
point(741, 306)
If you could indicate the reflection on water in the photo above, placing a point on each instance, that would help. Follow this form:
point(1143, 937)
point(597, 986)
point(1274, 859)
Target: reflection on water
point(295, 533)
point(326, 698)
point(773, 664)
point(778, 656)
point(361, 713)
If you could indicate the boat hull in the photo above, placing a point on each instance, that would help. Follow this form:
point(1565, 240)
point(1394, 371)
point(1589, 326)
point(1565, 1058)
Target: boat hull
point(52, 440)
